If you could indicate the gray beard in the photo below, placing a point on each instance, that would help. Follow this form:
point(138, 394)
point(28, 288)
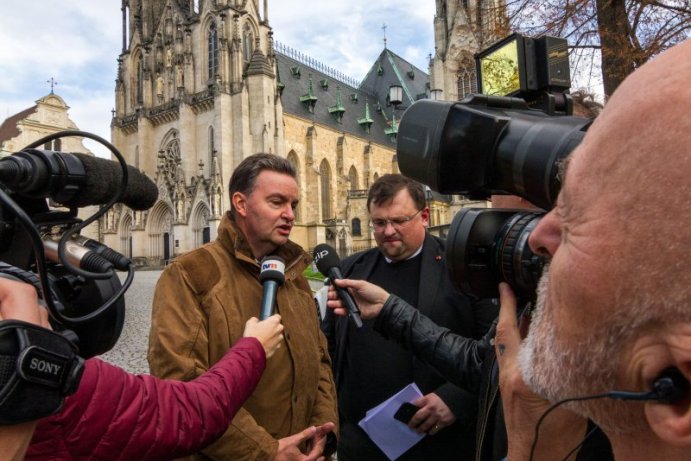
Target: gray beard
point(558, 370)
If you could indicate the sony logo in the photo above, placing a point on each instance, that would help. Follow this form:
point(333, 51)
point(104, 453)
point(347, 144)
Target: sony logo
point(44, 366)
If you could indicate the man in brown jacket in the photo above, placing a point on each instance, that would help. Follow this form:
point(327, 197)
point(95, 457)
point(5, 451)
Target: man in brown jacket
point(204, 298)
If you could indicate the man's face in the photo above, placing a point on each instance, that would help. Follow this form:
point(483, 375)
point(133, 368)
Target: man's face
point(399, 237)
point(268, 211)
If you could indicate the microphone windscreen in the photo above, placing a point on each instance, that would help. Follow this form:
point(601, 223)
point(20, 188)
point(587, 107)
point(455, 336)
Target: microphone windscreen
point(325, 257)
point(272, 268)
point(103, 182)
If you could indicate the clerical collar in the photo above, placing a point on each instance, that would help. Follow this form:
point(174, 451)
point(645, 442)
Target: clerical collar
point(419, 250)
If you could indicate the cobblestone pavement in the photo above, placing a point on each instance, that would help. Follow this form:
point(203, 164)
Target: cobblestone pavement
point(130, 350)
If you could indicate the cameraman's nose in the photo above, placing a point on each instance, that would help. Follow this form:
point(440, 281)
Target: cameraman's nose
point(546, 236)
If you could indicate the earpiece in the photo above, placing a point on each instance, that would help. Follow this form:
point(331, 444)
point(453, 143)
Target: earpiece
point(669, 387)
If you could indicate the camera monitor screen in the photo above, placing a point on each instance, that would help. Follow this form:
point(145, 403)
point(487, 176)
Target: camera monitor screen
point(500, 69)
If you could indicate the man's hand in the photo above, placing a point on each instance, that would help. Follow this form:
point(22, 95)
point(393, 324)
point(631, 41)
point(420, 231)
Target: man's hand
point(433, 415)
point(313, 437)
point(369, 297)
point(561, 431)
point(269, 332)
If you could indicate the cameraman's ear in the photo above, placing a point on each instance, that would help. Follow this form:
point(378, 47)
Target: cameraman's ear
point(671, 422)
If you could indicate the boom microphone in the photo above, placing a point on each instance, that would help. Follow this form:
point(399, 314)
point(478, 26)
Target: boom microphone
point(271, 276)
point(74, 179)
point(329, 264)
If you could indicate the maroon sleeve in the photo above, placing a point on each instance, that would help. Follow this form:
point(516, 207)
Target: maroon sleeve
point(117, 415)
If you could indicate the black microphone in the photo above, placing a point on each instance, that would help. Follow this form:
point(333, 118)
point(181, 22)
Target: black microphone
point(271, 276)
point(74, 179)
point(329, 264)
point(121, 262)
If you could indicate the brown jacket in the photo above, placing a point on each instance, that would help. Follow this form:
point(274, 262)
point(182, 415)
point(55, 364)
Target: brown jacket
point(200, 307)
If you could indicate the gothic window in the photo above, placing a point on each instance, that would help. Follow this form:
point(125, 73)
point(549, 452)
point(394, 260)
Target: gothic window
point(213, 51)
point(293, 158)
point(325, 175)
point(140, 81)
point(467, 80)
point(195, 6)
point(247, 43)
point(356, 227)
point(353, 179)
point(212, 146)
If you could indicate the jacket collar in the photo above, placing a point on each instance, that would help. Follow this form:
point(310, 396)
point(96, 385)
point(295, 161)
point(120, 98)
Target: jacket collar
point(234, 242)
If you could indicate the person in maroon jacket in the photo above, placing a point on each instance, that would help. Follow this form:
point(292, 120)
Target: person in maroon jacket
point(115, 415)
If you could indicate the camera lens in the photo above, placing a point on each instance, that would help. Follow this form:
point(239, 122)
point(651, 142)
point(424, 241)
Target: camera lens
point(486, 246)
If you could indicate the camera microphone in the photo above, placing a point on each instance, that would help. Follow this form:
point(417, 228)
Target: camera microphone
point(329, 264)
point(271, 276)
point(75, 179)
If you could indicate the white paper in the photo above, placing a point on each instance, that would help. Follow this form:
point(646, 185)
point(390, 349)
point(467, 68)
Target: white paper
point(392, 436)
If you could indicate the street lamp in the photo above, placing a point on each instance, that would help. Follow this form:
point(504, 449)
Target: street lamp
point(395, 98)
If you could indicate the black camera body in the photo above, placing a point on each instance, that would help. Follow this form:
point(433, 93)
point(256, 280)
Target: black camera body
point(479, 147)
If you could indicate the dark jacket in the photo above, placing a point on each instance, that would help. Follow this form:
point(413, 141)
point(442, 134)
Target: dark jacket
point(115, 415)
point(438, 300)
point(472, 365)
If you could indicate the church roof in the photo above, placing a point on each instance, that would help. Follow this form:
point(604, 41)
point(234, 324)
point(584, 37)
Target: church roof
point(316, 92)
point(9, 129)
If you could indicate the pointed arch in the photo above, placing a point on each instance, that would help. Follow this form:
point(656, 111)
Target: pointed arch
point(125, 233)
point(295, 161)
point(211, 50)
point(160, 231)
point(247, 42)
point(200, 224)
point(353, 178)
point(356, 227)
point(325, 189)
point(466, 77)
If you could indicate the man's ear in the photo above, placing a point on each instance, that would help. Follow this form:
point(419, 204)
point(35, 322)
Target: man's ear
point(671, 422)
point(239, 202)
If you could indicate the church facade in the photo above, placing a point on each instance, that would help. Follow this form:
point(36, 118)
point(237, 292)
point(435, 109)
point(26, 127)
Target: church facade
point(201, 85)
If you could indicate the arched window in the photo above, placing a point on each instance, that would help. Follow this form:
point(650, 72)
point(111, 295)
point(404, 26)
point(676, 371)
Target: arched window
point(195, 6)
point(247, 43)
point(353, 178)
point(325, 175)
point(293, 158)
point(53, 145)
point(467, 80)
point(356, 227)
point(140, 81)
point(212, 147)
point(213, 51)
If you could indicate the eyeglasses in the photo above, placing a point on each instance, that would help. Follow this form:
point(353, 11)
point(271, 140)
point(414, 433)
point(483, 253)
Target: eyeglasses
point(397, 223)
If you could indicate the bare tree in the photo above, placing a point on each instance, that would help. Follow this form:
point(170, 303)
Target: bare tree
point(623, 33)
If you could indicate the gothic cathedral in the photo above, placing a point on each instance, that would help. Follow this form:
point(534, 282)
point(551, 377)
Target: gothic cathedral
point(201, 85)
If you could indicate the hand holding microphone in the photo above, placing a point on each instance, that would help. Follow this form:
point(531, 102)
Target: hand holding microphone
point(329, 264)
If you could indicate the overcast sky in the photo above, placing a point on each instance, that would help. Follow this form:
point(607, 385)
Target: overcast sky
point(77, 42)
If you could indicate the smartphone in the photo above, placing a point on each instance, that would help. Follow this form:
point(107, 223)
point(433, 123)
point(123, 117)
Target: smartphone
point(405, 412)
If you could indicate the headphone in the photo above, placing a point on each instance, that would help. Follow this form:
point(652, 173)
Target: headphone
point(669, 387)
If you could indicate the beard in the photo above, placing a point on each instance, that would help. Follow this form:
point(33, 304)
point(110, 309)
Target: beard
point(558, 368)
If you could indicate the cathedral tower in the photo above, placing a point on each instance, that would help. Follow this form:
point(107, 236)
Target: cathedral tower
point(461, 29)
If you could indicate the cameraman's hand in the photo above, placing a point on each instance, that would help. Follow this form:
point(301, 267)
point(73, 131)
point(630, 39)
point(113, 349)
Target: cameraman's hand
point(19, 301)
point(559, 433)
point(370, 298)
point(269, 332)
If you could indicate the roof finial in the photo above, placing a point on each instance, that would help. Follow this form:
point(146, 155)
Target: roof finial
point(53, 83)
point(384, 26)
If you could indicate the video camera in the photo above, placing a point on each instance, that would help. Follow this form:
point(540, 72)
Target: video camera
point(488, 144)
point(75, 277)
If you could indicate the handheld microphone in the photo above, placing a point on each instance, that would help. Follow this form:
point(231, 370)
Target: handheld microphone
point(74, 179)
point(271, 276)
point(329, 264)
